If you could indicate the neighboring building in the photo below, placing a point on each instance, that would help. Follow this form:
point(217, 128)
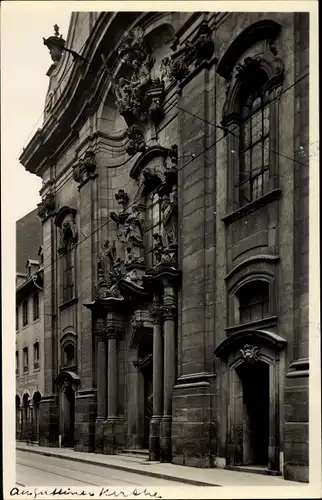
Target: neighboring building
point(29, 326)
point(175, 229)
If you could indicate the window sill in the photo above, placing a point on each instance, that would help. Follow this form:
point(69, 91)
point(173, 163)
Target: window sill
point(267, 322)
point(240, 212)
point(36, 320)
point(68, 303)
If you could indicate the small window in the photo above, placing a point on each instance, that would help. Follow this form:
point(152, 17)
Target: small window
point(69, 355)
point(17, 318)
point(17, 362)
point(253, 301)
point(36, 355)
point(36, 306)
point(25, 312)
point(25, 359)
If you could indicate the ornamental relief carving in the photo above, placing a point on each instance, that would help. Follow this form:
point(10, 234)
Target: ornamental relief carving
point(177, 66)
point(250, 353)
point(46, 207)
point(85, 168)
point(140, 97)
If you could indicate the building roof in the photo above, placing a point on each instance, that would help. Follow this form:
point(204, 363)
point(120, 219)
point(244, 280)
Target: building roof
point(28, 240)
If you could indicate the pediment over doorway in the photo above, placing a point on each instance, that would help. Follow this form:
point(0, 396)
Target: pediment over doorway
point(67, 379)
point(253, 338)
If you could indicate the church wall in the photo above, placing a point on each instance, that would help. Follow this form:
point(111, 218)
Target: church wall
point(219, 249)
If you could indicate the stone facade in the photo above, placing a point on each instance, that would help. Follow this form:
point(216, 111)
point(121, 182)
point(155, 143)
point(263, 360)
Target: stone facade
point(175, 230)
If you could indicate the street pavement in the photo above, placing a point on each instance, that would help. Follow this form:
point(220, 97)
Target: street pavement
point(38, 470)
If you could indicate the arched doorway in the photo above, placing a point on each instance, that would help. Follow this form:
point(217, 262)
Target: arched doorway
point(18, 418)
point(35, 421)
point(254, 366)
point(68, 382)
point(26, 431)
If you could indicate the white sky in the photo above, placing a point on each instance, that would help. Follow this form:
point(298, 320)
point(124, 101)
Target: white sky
point(24, 63)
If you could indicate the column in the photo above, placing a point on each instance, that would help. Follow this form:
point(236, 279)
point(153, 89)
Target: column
point(169, 374)
point(100, 330)
point(157, 378)
point(114, 426)
point(112, 375)
point(101, 378)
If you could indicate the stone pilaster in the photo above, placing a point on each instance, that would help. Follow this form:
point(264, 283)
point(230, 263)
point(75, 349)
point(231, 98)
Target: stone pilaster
point(154, 437)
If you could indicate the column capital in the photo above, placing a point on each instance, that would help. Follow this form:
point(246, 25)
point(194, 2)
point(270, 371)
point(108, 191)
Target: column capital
point(100, 328)
point(113, 331)
point(169, 312)
point(155, 313)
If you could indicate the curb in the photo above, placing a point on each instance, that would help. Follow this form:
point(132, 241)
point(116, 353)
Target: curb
point(157, 475)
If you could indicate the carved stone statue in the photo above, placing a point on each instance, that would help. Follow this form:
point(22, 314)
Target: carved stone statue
point(134, 246)
point(169, 217)
point(108, 257)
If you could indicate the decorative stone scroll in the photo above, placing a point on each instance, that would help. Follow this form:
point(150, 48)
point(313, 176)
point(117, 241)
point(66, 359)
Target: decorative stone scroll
point(177, 66)
point(47, 207)
point(250, 353)
point(85, 168)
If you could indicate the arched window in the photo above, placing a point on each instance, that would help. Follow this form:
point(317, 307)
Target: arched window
point(67, 266)
point(253, 301)
point(254, 141)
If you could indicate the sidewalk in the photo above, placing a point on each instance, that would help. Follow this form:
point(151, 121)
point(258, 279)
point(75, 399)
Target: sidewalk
point(140, 465)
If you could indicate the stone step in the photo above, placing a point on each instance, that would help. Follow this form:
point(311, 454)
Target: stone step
point(137, 452)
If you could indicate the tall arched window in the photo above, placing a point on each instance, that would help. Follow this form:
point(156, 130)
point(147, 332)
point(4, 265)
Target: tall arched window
point(254, 142)
point(67, 266)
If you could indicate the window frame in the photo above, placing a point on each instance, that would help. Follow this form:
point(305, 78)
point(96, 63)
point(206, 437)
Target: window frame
point(25, 312)
point(25, 357)
point(35, 305)
point(36, 347)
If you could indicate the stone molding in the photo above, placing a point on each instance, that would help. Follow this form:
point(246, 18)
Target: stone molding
point(47, 207)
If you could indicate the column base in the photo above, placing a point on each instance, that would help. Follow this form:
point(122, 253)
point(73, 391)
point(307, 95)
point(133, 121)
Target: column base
point(154, 438)
point(114, 435)
point(165, 439)
point(99, 435)
point(49, 421)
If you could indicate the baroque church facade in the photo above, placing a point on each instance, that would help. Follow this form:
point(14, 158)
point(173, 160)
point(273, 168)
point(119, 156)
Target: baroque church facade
point(175, 238)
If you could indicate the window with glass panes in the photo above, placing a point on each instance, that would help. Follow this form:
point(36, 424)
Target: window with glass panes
point(254, 148)
point(253, 301)
point(17, 362)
